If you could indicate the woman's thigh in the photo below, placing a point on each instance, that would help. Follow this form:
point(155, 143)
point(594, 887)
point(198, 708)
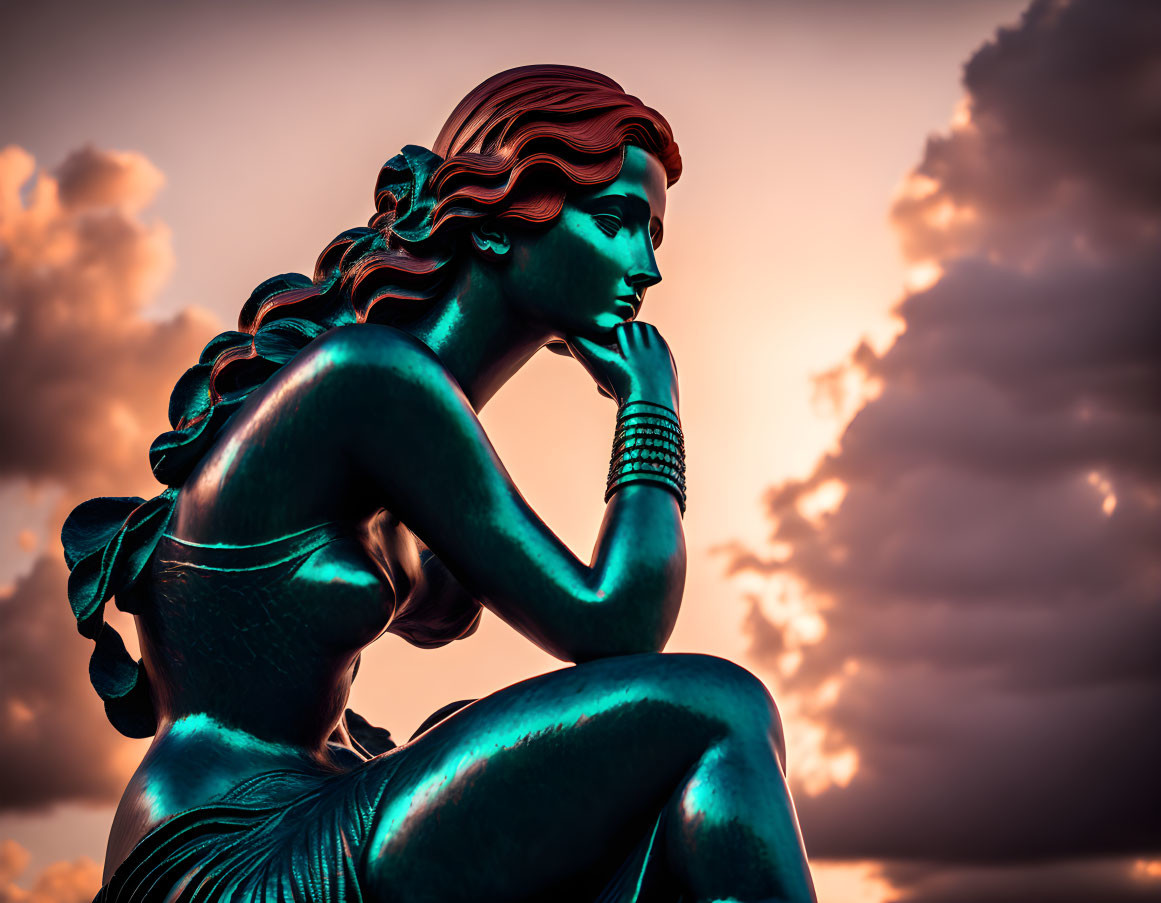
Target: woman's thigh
point(553, 777)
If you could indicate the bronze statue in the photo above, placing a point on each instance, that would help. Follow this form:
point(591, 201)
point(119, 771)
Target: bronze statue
point(328, 480)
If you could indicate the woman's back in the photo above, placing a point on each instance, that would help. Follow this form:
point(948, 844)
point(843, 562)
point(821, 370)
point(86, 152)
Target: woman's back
point(273, 573)
point(249, 630)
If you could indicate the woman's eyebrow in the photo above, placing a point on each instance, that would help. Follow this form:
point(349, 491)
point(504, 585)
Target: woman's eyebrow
point(634, 203)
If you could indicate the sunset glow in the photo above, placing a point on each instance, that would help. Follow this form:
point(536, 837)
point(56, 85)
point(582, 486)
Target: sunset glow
point(1147, 869)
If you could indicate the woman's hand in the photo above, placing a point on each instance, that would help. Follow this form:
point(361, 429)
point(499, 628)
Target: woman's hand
point(636, 366)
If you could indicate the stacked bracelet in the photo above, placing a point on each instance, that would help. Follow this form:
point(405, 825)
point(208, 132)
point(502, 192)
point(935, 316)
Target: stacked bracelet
point(648, 446)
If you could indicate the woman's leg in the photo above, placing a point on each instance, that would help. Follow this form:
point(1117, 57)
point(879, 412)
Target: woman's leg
point(546, 783)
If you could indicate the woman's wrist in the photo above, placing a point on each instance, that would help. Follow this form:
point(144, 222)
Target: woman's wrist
point(664, 398)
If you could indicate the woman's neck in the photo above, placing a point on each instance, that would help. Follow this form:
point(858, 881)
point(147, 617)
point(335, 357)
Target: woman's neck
point(473, 333)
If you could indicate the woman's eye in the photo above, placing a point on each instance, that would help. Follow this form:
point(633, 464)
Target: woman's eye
point(610, 222)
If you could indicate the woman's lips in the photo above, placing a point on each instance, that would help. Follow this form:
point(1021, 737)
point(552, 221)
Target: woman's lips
point(630, 305)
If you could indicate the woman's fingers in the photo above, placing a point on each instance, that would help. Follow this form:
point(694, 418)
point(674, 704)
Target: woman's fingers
point(637, 360)
point(604, 364)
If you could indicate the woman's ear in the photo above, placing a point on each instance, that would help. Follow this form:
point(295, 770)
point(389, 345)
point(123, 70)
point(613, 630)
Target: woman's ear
point(491, 241)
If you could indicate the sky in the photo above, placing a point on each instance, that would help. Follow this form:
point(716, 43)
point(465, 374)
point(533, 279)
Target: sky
point(911, 274)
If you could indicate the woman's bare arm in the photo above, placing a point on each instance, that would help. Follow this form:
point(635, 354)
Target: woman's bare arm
point(418, 448)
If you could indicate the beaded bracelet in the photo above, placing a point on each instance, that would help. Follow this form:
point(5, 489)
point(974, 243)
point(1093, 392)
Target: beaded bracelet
point(648, 446)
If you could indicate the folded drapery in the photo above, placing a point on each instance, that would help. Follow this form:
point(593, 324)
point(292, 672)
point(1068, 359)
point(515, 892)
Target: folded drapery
point(288, 836)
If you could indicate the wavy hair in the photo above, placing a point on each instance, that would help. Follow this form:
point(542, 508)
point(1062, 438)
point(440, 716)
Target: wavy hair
point(512, 151)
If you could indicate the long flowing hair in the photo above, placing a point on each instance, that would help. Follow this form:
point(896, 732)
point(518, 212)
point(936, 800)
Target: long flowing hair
point(512, 151)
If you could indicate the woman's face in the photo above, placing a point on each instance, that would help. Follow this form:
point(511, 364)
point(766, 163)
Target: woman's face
point(588, 271)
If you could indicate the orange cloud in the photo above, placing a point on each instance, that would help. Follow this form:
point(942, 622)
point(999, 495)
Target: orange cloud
point(59, 882)
point(85, 377)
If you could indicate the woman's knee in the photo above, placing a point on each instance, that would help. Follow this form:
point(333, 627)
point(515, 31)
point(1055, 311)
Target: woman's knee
point(720, 690)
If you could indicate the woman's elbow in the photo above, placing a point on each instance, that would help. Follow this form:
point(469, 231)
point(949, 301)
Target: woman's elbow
point(580, 656)
point(612, 631)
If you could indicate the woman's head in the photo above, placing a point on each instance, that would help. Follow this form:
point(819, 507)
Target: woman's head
point(561, 172)
point(586, 272)
point(511, 153)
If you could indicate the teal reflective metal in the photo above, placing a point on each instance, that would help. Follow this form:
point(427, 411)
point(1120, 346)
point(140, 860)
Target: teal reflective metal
point(333, 483)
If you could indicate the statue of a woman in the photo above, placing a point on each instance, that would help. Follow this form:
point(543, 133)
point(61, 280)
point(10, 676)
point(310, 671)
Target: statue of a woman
point(328, 480)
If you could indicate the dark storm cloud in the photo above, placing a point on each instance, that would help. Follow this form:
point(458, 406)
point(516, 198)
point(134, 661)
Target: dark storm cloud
point(1064, 140)
point(84, 383)
point(992, 575)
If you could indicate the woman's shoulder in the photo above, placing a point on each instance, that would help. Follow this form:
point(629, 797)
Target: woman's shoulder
point(376, 357)
point(372, 344)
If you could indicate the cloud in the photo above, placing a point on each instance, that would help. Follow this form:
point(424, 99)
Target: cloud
point(988, 583)
point(1109, 881)
point(59, 882)
point(85, 375)
point(55, 744)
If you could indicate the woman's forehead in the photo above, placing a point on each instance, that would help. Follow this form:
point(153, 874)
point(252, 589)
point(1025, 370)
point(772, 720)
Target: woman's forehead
point(643, 176)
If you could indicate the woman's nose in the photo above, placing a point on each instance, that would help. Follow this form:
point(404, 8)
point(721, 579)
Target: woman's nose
point(644, 271)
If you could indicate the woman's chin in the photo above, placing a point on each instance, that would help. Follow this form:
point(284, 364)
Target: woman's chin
point(600, 329)
point(607, 322)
